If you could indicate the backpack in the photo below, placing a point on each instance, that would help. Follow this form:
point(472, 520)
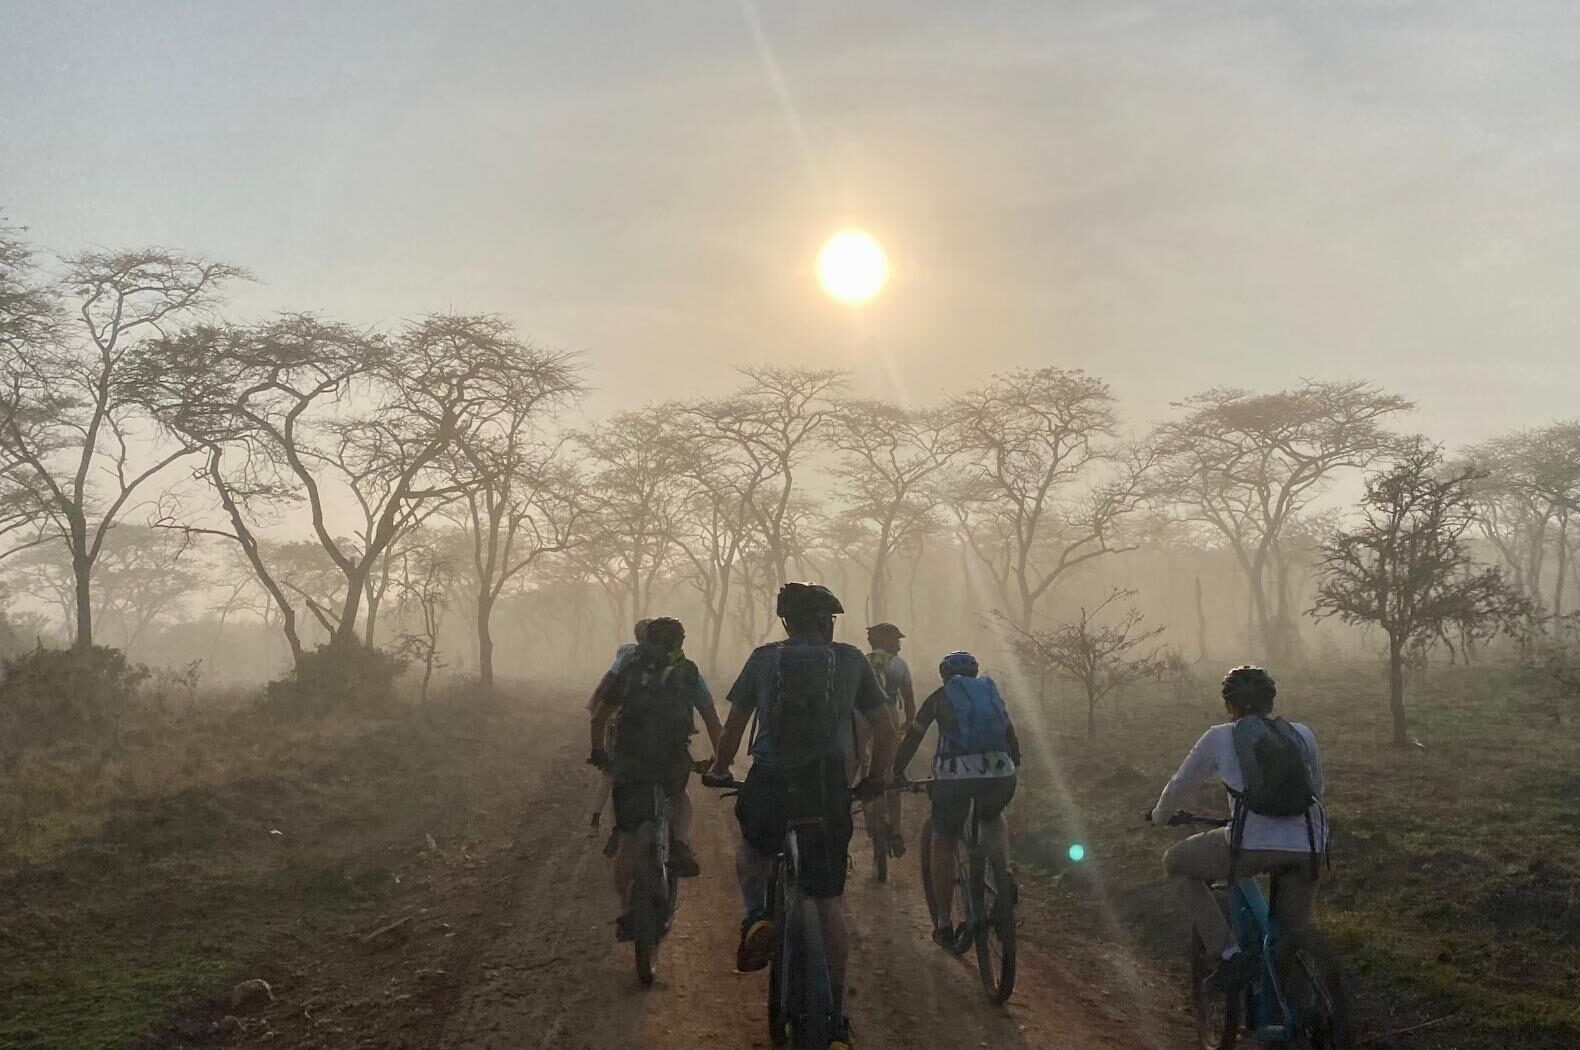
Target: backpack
point(1272, 759)
point(880, 661)
point(656, 701)
point(981, 722)
point(803, 710)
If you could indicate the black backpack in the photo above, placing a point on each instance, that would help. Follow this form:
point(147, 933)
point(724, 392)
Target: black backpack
point(657, 698)
point(803, 709)
point(1273, 762)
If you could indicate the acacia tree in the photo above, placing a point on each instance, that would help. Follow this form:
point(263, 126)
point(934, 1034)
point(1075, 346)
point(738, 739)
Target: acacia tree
point(890, 456)
point(424, 573)
point(638, 495)
point(1406, 568)
point(1246, 464)
point(1526, 495)
point(774, 422)
point(1034, 503)
point(76, 445)
point(524, 501)
point(1097, 650)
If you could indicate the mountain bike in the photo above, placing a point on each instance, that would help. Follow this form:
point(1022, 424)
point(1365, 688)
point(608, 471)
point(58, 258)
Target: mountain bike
point(987, 892)
point(655, 891)
point(800, 981)
point(1295, 998)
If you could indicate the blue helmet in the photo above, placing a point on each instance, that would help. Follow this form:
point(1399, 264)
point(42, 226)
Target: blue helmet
point(958, 663)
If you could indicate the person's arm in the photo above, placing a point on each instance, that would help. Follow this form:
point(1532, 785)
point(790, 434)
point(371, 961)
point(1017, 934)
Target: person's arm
point(1319, 779)
point(602, 690)
point(908, 694)
point(600, 723)
point(1012, 742)
point(913, 736)
point(730, 739)
point(743, 701)
point(1201, 763)
point(871, 703)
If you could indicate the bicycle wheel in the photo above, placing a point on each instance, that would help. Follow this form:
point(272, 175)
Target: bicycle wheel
point(1217, 1016)
point(778, 974)
point(995, 890)
point(810, 1009)
point(967, 883)
point(1313, 986)
point(649, 904)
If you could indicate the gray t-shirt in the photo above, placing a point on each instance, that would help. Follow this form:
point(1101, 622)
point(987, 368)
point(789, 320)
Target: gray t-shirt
point(856, 689)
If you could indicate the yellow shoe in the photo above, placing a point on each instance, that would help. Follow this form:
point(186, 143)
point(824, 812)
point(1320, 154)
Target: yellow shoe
point(757, 943)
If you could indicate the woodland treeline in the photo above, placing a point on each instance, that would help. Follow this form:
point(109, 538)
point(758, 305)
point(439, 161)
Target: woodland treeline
point(187, 486)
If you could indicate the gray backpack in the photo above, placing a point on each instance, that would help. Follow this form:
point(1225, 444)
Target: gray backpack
point(1274, 763)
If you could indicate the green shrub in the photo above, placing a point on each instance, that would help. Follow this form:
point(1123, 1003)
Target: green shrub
point(49, 695)
point(338, 676)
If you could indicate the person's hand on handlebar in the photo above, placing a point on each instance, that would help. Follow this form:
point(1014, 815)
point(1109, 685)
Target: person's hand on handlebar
point(870, 789)
point(713, 777)
point(599, 759)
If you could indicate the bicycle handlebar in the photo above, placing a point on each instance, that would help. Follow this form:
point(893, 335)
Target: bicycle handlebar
point(1183, 818)
point(727, 783)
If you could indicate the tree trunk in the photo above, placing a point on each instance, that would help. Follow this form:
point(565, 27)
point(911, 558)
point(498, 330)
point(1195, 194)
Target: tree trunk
point(1091, 718)
point(877, 606)
point(1559, 578)
point(485, 640)
point(1396, 692)
point(1201, 623)
point(82, 571)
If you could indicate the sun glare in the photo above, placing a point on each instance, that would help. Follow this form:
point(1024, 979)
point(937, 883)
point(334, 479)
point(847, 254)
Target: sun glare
point(852, 267)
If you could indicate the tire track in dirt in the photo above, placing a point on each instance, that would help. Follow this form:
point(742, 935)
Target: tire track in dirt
point(554, 976)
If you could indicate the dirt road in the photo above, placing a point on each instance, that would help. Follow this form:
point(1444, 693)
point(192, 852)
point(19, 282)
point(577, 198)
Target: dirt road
point(554, 977)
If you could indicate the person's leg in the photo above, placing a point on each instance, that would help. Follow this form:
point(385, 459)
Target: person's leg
point(681, 857)
point(1193, 864)
point(896, 805)
point(836, 943)
point(601, 799)
point(943, 863)
point(759, 810)
point(993, 796)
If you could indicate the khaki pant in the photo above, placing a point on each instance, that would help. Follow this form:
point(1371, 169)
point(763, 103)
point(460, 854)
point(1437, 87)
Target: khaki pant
point(864, 755)
point(1194, 863)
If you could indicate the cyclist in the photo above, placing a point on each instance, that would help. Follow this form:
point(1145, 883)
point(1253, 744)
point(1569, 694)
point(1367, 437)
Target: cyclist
point(655, 693)
point(976, 760)
point(1258, 758)
point(894, 675)
point(622, 656)
point(803, 691)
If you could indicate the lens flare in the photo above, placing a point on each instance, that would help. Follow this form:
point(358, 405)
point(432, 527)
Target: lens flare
point(1077, 852)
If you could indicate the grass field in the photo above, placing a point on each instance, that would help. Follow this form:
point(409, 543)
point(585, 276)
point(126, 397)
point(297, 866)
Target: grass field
point(138, 883)
point(1455, 863)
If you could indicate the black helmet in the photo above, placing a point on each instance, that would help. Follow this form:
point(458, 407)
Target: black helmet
point(806, 599)
point(666, 631)
point(884, 630)
point(1249, 688)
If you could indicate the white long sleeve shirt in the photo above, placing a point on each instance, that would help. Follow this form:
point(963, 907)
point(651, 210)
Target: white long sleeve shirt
point(1214, 755)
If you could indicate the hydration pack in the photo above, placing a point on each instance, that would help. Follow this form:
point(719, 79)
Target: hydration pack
point(803, 709)
point(657, 697)
point(880, 661)
point(1273, 763)
point(980, 723)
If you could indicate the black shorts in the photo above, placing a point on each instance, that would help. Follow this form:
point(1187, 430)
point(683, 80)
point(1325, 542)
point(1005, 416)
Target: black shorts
point(633, 799)
point(771, 799)
point(952, 801)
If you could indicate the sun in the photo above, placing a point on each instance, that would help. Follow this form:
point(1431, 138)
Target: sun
point(852, 266)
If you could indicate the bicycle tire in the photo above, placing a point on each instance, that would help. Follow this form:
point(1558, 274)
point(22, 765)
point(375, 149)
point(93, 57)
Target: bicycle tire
point(1313, 985)
point(965, 890)
point(812, 1016)
point(996, 932)
point(649, 914)
point(1217, 1016)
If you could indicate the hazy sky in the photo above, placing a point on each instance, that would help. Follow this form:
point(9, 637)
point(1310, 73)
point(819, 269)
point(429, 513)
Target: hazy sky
point(1170, 195)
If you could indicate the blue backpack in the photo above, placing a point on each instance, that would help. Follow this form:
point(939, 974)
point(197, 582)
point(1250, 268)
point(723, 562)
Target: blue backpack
point(981, 722)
